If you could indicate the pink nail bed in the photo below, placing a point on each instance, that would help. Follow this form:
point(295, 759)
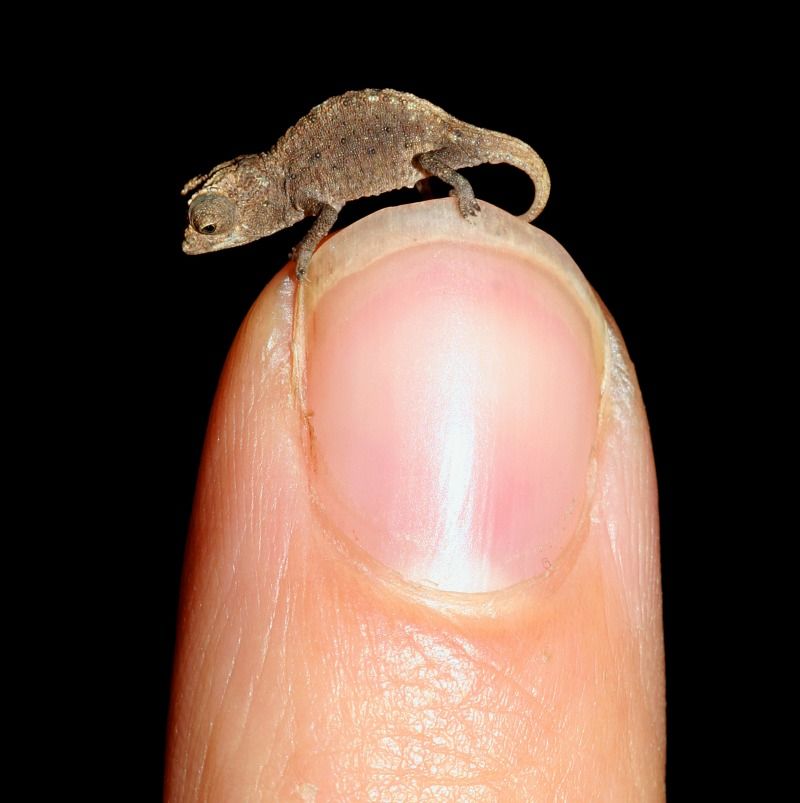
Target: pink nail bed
point(453, 392)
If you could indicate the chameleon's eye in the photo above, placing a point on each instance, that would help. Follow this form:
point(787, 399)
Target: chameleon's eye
point(211, 214)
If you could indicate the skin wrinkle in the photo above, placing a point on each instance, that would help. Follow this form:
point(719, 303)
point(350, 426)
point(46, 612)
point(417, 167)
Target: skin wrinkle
point(208, 656)
point(233, 588)
point(283, 722)
point(467, 765)
point(495, 666)
point(276, 359)
point(638, 602)
point(262, 660)
point(279, 588)
point(436, 662)
point(213, 737)
point(235, 744)
point(286, 722)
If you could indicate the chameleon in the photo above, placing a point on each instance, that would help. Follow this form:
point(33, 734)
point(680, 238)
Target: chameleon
point(361, 143)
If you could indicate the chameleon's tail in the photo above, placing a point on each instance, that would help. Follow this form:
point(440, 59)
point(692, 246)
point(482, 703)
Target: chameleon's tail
point(509, 150)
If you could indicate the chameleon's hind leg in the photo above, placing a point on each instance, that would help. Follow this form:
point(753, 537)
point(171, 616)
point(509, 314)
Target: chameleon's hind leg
point(436, 164)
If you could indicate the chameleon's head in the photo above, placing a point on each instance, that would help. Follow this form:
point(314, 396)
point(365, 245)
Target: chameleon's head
point(236, 203)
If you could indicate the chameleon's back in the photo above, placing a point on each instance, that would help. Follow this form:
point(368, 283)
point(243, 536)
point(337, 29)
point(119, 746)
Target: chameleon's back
point(364, 143)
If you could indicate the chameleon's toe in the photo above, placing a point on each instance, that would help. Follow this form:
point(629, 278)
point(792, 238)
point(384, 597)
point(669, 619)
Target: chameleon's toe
point(471, 207)
point(467, 204)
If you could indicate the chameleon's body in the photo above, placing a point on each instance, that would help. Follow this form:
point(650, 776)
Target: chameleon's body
point(357, 144)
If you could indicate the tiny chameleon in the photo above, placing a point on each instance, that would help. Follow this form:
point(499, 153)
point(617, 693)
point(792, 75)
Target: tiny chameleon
point(361, 143)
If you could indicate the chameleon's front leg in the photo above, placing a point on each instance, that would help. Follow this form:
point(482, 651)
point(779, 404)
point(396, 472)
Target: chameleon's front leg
point(303, 251)
point(436, 163)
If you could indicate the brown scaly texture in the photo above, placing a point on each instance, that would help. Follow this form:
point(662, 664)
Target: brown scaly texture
point(357, 144)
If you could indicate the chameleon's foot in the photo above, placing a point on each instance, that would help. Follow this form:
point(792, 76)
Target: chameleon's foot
point(300, 256)
point(436, 163)
point(467, 203)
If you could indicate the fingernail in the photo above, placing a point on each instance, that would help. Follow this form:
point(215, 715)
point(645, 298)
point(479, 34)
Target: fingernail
point(452, 385)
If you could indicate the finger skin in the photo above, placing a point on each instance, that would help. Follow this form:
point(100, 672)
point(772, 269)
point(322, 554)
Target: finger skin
point(305, 672)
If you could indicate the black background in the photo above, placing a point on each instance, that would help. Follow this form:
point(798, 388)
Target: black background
point(619, 134)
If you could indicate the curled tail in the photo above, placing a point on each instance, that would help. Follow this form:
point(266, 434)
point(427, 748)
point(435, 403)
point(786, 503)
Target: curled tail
point(512, 151)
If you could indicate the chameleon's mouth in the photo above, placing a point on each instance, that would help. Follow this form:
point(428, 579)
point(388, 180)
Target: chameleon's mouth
point(195, 243)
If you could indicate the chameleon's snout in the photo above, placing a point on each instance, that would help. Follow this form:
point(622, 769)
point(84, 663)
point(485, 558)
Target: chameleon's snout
point(194, 243)
point(187, 244)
